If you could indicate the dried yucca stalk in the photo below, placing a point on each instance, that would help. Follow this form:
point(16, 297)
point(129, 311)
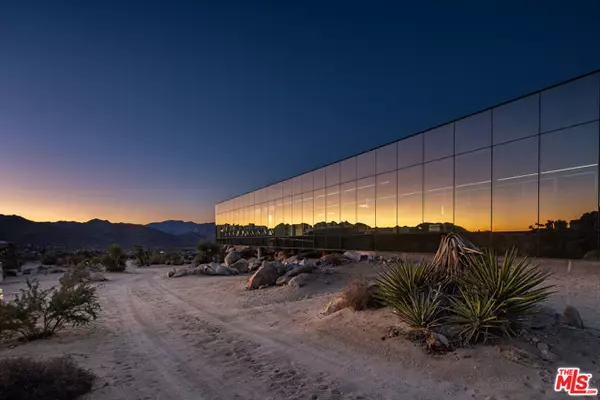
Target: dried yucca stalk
point(449, 258)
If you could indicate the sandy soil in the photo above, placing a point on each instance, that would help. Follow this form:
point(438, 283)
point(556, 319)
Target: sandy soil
point(203, 337)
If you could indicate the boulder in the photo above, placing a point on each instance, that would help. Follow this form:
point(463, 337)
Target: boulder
point(301, 269)
point(241, 265)
point(97, 277)
point(352, 256)
point(176, 273)
point(283, 280)
point(291, 260)
point(335, 306)
point(572, 317)
point(232, 257)
point(266, 275)
point(223, 270)
point(253, 266)
point(299, 280)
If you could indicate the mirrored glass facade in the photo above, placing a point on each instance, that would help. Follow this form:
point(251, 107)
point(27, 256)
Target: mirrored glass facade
point(523, 174)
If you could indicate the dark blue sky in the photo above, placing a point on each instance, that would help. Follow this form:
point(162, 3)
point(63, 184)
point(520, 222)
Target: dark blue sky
point(140, 111)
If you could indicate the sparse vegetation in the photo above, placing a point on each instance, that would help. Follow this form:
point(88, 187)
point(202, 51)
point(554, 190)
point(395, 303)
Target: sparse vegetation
point(359, 294)
point(142, 256)
point(206, 252)
point(37, 313)
point(57, 378)
point(115, 259)
point(470, 290)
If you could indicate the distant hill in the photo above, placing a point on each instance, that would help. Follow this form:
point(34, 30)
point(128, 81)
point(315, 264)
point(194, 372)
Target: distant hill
point(92, 234)
point(181, 228)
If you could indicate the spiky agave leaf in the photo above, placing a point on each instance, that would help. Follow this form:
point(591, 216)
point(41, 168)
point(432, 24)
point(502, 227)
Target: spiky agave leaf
point(478, 318)
point(419, 309)
point(402, 279)
point(516, 284)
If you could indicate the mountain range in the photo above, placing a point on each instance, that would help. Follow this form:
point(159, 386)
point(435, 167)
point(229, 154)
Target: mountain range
point(100, 234)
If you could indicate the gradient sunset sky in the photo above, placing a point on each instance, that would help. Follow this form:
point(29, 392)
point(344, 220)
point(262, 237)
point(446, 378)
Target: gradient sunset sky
point(141, 111)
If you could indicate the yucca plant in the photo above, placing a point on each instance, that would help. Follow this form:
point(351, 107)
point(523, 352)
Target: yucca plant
point(448, 261)
point(403, 279)
point(478, 317)
point(516, 285)
point(420, 309)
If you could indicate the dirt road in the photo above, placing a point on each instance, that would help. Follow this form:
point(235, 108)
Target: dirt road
point(207, 338)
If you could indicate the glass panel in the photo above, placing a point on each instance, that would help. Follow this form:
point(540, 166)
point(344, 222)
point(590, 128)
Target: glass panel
point(365, 201)
point(365, 164)
point(307, 182)
point(474, 132)
point(264, 214)
point(410, 198)
point(333, 174)
point(570, 104)
point(569, 176)
point(515, 186)
point(473, 196)
point(517, 120)
point(319, 178)
point(278, 212)
point(348, 200)
point(410, 151)
point(319, 208)
point(307, 208)
point(333, 203)
point(438, 200)
point(257, 216)
point(385, 211)
point(387, 158)
point(439, 142)
point(287, 210)
point(297, 209)
point(297, 185)
point(249, 215)
point(287, 188)
point(276, 191)
point(349, 169)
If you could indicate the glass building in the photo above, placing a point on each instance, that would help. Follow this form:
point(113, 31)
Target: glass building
point(523, 173)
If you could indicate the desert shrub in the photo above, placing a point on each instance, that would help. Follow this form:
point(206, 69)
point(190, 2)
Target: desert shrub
point(480, 295)
point(206, 252)
point(403, 279)
point(141, 256)
point(496, 296)
point(359, 294)
point(57, 378)
point(114, 260)
point(479, 318)
point(449, 260)
point(37, 313)
point(420, 309)
point(157, 258)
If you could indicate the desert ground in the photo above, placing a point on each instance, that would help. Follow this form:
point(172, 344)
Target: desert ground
point(205, 337)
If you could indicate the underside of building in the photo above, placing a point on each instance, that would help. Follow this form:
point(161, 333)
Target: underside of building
point(522, 174)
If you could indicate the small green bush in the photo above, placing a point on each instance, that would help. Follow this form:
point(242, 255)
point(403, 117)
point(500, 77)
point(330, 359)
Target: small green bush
point(420, 309)
point(37, 313)
point(57, 379)
point(114, 260)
